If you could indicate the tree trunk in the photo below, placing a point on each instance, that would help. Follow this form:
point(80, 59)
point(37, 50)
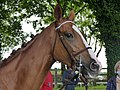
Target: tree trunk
point(113, 54)
point(0, 48)
point(107, 14)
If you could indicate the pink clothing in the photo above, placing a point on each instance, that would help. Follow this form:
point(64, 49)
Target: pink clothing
point(48, 83)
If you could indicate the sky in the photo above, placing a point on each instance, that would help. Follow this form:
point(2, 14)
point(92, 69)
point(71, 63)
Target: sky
point(28, 28)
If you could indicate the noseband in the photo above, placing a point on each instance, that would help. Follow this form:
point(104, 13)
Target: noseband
point(74, 54)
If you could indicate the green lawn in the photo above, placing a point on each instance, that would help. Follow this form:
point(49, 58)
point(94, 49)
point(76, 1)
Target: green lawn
point(99, 87)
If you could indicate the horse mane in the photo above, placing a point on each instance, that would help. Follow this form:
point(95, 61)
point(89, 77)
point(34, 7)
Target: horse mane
point(24, 46)
point(15, 53)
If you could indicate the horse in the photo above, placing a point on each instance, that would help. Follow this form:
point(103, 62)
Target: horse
point(27, 67)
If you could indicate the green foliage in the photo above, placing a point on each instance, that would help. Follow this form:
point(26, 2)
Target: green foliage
point(107, 14)
point(100, 18)
point(10, 27)
point(12, 12)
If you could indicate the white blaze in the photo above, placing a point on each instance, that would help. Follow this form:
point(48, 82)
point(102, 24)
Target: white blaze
point(92, 55)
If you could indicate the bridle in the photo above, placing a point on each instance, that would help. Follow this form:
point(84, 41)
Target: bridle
point(72, 55)
point(79, 64)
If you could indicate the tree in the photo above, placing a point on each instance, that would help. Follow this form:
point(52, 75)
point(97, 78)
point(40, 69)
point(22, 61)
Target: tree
point(107, 14)
point(15, 11)
point(10, 27)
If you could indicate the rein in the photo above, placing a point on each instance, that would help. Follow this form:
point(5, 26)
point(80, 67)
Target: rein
point(72, 55)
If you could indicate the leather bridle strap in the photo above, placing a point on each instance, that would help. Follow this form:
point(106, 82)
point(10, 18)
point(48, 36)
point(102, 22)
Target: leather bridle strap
point(62, 38)
point(64, 45)
point(72, 55)
point(85, 81)
point(77, 53)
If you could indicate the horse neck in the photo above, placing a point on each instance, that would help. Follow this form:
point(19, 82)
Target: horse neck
point(43, 56)
point(33, 62)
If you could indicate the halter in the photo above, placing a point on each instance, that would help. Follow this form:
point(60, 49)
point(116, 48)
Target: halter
point(72, 55)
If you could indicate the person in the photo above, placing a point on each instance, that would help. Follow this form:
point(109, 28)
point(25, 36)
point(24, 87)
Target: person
point(67, 79)
point(114, 82)
point(48, 82)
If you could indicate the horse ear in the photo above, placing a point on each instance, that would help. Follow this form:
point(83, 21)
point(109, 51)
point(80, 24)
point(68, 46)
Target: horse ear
point(72, 15)
point(57, 12)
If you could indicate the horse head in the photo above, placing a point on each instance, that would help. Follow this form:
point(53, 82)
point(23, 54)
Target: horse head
point(70, 46)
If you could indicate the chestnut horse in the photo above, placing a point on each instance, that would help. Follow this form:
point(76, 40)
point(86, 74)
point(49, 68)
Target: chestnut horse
point(27, 67)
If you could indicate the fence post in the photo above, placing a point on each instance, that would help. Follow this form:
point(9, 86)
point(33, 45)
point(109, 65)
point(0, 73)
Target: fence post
point(55, 77)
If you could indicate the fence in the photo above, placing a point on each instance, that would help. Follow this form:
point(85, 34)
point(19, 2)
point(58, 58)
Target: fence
point(101, 79)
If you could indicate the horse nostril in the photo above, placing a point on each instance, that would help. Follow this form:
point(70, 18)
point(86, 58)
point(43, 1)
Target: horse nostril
point(94, 66)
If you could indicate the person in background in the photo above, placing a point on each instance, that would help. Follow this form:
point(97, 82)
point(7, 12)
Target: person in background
point(67, 79)
point(48, 82)
point(114, 82)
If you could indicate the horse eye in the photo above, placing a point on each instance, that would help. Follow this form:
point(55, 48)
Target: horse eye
point(68, 35)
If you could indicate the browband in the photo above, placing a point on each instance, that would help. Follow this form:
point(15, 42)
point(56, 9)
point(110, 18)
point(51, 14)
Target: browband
point(63, 24)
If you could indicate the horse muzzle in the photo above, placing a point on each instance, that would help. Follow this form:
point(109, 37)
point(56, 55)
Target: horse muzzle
point(94, 66)
point(90, 70)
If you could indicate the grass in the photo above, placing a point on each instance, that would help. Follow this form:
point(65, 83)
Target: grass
point(98, 87)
